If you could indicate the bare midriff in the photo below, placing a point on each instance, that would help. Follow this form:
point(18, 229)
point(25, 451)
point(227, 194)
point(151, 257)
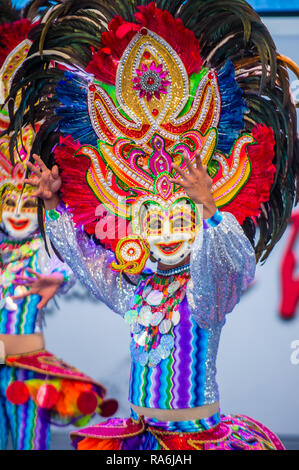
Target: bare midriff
point(21, 344)
point(186, 414)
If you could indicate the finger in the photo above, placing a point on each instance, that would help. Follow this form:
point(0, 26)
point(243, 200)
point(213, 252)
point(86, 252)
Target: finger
point(188, 164)
point(43, 302)
point(198, 160)
point(55, 172)
point(37, 193)
point(22, 283)
point(43, 194)
point(179, 182)
point(21, 296)
point(23, 278)
point(34, 169)
point(38, 275)
point(178, 170)
point(32, 181)
point(40, 162)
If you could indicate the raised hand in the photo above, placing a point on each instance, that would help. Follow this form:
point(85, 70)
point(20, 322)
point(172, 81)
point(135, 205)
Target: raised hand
point(46, 286)
point(197, 184)
point(47, 182)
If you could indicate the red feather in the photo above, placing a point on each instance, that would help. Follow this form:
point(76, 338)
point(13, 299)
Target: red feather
point(181, 39)
point(248, 201)
point(12, 34)
point(104, 62)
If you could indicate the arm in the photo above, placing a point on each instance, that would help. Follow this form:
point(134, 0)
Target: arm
point(222, 266)
point(89, 262)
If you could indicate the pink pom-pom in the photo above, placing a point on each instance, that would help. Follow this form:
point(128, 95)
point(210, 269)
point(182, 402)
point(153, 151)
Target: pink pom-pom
point(47, 396)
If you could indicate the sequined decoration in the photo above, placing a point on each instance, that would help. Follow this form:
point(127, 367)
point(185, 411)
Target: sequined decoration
point(153, 316)
point(150, 81)
point(152, 89)
point(132, 254)
point(9, 67)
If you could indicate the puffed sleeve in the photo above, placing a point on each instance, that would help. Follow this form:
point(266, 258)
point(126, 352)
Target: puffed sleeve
point(222, 266)
point(88, 261)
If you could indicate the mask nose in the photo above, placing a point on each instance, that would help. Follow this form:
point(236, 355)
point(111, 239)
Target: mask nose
point(17, 213)
point(166, 230)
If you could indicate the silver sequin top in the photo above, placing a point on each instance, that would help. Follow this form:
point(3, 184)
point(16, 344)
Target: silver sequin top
point(222, 265)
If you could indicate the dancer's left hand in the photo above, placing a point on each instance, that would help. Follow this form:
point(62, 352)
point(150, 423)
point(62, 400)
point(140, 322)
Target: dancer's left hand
point(44, 285)
point(197, 184)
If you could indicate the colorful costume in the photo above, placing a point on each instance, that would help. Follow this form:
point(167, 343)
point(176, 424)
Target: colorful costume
point(155, 85)
point(36, 388)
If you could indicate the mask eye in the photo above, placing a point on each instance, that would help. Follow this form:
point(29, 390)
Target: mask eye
point(10, 202)
point(29, 204)
point(151, 220)
point(181, 222)
point(155, 224)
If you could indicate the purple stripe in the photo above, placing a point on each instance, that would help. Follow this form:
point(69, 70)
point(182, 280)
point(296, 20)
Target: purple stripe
point(183, 348)
point(176, 368)
point(9, 329)
point(22, 424)
point(10, 326)
point(41, 432)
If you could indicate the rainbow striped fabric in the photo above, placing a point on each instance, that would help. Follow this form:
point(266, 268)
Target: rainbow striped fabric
point(186, 378)
point(21, 319)
point(28, 424)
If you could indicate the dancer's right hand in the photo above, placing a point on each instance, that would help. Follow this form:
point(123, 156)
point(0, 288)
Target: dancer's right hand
point(47, 182)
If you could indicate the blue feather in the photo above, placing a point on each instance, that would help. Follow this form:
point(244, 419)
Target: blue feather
point(19, 4)
point(73, 111)
point(233, 108)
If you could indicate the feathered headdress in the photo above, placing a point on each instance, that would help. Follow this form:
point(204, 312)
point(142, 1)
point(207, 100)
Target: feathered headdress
point(14, 47)
point(197, 75)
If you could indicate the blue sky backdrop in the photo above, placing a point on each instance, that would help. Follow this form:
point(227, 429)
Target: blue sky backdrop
point(260, 5)
point(275, 5)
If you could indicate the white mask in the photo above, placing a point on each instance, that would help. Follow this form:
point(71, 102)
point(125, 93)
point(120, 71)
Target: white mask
point(170, 231)
point(19, 214)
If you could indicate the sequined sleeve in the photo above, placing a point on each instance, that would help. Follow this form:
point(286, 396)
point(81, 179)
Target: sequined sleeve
point(89, 262)
point(51, 264)
point(222, 266)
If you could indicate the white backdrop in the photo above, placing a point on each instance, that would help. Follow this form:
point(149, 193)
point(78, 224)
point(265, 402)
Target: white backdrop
point(255, 374)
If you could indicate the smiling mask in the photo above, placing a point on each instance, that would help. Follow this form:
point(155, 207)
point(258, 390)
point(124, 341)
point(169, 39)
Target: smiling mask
point(19, 213)
point(169, 231)
point(18, 205)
